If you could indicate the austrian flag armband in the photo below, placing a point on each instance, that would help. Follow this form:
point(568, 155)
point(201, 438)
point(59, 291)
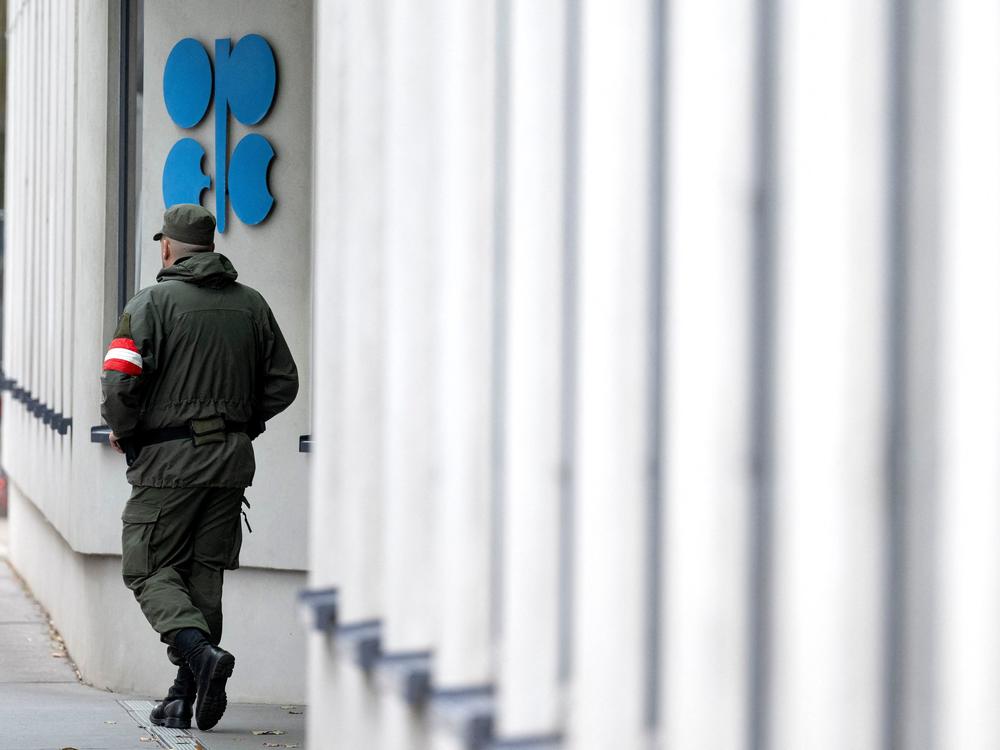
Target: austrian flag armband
point(123, 356)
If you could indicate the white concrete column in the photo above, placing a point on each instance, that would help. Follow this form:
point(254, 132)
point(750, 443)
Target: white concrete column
point(412, 273)
point(829, 503)
point(55, 211)
point(400, 725)
point(24, 34)
point(13, 158)
point(32, 478)
point(706, 528)
point(12, 203)
point(43, 175)
point(528, 682)
point(96, 473)
point(336, 510)
point(614, 341)
point(322, 687)
point(328, 236)
point(64, 248)
point(968, 585)
point(465, 69)
point(361, 212)
point(60, 244)
point(69, 291)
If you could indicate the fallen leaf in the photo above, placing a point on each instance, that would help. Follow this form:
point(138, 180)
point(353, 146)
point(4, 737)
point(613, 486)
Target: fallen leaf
point(262, 732)
point(58, 654)
point(111, 722)
point(145, 739)
point(294, 713)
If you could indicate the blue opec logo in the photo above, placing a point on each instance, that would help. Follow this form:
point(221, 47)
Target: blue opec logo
point(244, 84)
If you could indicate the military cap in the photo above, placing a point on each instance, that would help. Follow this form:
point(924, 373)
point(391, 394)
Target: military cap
point(188, 222)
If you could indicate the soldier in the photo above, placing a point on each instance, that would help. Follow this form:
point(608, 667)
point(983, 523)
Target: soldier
point(196, 367)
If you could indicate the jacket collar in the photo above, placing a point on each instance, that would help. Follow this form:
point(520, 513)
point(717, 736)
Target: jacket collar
point(203, 269)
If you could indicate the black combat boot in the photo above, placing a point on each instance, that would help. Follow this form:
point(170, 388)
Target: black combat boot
point(175, 710)
point(211, 666)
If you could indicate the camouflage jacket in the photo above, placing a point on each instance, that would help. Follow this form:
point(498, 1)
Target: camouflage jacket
point(196, 345)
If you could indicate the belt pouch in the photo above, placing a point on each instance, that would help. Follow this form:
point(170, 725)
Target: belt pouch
point(208, 430)
point(131, 450)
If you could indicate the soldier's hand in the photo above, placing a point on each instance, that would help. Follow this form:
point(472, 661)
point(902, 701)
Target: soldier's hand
point(113, 439)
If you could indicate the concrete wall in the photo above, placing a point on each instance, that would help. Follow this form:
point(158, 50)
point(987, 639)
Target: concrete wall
point(275, 256)
point(60, 292)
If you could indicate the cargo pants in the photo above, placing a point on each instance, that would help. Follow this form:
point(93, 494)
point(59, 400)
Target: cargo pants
point(177, 544)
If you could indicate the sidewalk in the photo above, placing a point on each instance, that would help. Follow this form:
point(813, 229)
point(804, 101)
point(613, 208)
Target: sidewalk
point(43, 706)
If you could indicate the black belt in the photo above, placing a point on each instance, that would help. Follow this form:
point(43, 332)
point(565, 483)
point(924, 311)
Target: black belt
point(179, 432)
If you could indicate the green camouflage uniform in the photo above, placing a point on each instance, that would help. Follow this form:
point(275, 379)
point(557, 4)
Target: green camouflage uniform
point(196, 346)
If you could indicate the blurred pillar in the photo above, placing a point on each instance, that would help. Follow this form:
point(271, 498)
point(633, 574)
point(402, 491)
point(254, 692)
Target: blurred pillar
point(829, 506)
point(15, 202)
point(412, 273)
point(465, 271)
point(68, 277)
point(325, 569)
point(361, 208)
point(536, 289)
point(710, 229)
point(614, 460)
point(327, 298)
point(968, 605)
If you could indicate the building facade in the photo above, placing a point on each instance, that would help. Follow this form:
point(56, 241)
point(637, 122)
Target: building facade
point(649, 353)
point(91, 138)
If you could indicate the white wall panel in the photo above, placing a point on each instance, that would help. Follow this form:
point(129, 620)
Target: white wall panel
point(465, 271)
point(968, 608)
point(614, 338)
point(327, 217)
point(528, 679)
point(412, 271)
point(360, 357)
point(706, 527)
point(830, 401)
point(97, 472)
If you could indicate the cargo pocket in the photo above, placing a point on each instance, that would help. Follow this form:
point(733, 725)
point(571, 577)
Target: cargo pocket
point(233, 562)
point(137, 534)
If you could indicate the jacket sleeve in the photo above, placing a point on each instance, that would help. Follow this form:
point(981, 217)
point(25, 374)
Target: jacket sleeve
point(279, 377)
point(129, 364)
